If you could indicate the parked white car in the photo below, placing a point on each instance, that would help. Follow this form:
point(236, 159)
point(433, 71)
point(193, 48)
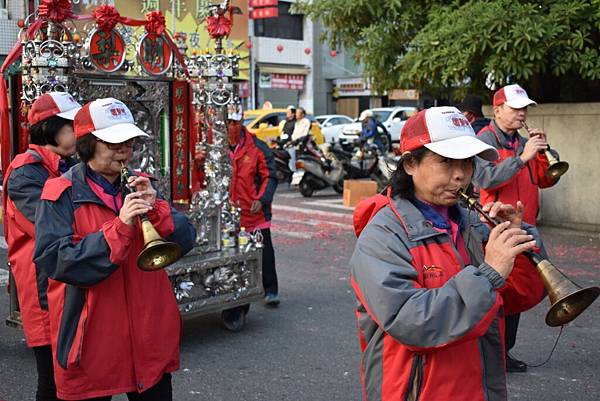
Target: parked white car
point(392, 118)
point(332, 125)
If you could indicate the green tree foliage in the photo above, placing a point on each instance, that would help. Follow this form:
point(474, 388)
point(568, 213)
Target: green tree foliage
point(550, 46)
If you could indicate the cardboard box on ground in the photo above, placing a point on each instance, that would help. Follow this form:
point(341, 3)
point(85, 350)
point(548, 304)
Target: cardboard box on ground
point(356, 190)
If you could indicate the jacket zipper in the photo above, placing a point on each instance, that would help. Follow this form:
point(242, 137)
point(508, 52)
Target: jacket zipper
point(413, 393)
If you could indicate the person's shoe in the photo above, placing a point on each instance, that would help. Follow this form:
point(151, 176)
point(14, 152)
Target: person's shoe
point(234, 319)
point(514, 365)
point(272, 300)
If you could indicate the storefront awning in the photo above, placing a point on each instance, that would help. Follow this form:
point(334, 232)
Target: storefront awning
point(283, 69)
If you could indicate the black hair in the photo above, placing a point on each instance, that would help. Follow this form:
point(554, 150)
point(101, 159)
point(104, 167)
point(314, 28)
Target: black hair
point(402, 183)
point(301, 109)
point(44, 132)
point(86, 147)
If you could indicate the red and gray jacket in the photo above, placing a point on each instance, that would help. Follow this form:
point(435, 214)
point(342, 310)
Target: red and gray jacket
point(114, 327)
point(254, 178)
point(23, 184)
point(507, 179)
point(430, 327)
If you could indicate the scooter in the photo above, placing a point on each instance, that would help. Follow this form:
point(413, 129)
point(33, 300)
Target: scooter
point(282, 161)
point(317, 169)
point(366, 161)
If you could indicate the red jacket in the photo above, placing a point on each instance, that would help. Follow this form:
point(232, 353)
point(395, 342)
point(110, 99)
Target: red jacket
point(430, 327)
point(254, 178)
point(507, 179)
point(114, 327)
point(23, 184)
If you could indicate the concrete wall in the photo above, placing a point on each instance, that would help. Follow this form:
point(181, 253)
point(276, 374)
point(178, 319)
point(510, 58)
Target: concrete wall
point(573, 129)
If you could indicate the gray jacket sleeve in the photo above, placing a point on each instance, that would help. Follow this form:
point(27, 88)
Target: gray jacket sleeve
point(385, 282)
point(490, 176)
point(81, 262)
point(24, 187)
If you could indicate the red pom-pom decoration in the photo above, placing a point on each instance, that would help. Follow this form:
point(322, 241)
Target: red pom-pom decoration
point(107, 17)
point(56, 10)
point(155, 22)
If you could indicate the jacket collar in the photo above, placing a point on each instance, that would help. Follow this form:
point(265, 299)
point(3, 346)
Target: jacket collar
point(432, 215)
point(47, 157)
point(245, 144)
point(505, 139)
point(415, 223)
point(82, 193)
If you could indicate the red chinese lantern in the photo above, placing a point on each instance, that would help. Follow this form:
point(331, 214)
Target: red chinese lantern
point(249, 44)
point(333, 53)
point(21, 23)
point(279, 48)
point(307, 51)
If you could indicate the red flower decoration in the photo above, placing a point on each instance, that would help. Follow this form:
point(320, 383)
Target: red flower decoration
point(218, 27)
point(279, 48)
point(56, 10)
point(107, 17)
point(333, 53)
point(155, 22)
point(307, 51)
point(249, 44)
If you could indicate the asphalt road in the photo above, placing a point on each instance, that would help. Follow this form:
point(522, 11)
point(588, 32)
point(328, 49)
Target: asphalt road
point(307, 349)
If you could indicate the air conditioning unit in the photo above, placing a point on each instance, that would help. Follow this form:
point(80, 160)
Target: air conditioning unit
point(3, 13)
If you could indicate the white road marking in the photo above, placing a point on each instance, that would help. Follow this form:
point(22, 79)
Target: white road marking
point(3, 243)
point(3, 277)
point(327, 203)
point(284, 208)
point(311, 222)
point(292, 234)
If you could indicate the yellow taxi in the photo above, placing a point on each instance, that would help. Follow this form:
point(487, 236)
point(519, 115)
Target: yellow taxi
point(266, 124)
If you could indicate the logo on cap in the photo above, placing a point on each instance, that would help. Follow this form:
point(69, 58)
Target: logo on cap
point(457, 122)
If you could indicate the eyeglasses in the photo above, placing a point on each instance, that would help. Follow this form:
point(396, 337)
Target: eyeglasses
point(116, 146)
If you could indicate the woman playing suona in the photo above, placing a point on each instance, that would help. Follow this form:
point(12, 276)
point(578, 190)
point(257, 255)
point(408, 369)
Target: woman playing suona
point(51, 145)
point(430, 276)
point(114, 328)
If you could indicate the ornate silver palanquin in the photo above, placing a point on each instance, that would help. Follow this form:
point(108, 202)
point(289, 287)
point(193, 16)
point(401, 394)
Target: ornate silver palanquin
point(221, 271)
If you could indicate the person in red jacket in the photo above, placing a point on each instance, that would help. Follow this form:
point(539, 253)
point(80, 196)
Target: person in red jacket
point(516, 176)
point(114, 327)
point(429, 275)
point(51, 145)
point(252, 188)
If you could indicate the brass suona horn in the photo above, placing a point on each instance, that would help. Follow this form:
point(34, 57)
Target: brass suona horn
point(557, 168)
point(567, 299)
point(157, 253)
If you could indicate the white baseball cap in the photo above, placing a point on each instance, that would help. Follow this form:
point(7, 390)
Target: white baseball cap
point(52, 104)
point(365, 114)
point(107, 119)
point(513, 96)
point(445, 131)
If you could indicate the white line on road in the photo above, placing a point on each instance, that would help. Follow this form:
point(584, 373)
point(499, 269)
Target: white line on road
point(3, 277)
point(283, 208)
point(3, 243)
point(311, 222)
point(292, 234)
point(328, 203)
point(294, 195)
